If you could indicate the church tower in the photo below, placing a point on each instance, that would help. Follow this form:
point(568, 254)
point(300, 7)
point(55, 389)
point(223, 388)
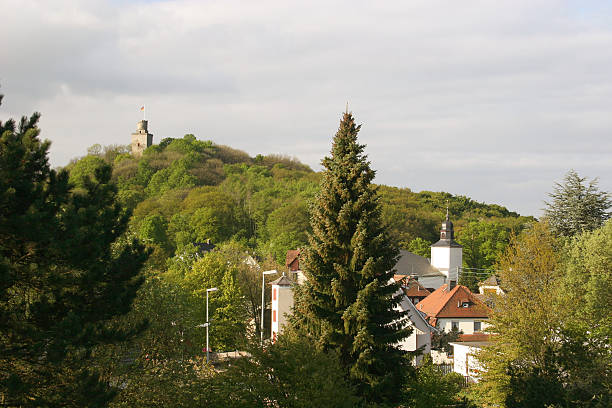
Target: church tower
point(141, 139)
point(447, 254)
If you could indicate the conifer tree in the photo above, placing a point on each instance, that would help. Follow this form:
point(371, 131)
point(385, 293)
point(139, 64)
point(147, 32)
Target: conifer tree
point(347, 303)
point(577, 206)
point(63, 277)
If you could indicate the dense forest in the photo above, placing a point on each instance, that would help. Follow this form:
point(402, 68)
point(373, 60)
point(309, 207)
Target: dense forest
point(185, 191)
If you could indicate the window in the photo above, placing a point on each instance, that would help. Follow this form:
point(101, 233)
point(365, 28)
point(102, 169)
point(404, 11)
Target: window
point(477, 326)
point(274, 315)
point(455, 325)
point(274, 294)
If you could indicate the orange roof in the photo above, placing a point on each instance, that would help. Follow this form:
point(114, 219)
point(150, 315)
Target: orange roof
point(474, 337)
point(412, 288)
point(444, 303)
point(292, 260)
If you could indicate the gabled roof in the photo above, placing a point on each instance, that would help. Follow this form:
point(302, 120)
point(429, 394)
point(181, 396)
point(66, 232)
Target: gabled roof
point(412, 288)
point(282, 281)
point(418, 319)
point(292, 260)
point(447, 243)
point(443, 303)
point(416, 265)
point(490, 281)
point(474, 337)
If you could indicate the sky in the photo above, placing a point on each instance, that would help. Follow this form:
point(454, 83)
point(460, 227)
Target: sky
point(495, 100)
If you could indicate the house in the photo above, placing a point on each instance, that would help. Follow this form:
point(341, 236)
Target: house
point(454, 306)
point(490, 286)
point(489, 289)
point(412, 288)
point(282, 302)
point(292, 262)
point(420, 279)
point(420, 338)
point(466, 358)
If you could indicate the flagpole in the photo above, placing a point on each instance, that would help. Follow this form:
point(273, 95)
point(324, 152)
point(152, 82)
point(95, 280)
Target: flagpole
point(143, 113)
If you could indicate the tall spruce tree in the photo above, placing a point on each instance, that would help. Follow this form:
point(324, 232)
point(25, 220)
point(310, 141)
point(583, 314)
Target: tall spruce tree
point(63, 277)
point(347, 303)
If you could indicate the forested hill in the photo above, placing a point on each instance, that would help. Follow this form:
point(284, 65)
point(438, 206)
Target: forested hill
point(187, 190)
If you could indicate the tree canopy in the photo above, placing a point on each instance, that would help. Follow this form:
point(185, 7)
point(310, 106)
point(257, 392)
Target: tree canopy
point(65, 274)
point(577, 205)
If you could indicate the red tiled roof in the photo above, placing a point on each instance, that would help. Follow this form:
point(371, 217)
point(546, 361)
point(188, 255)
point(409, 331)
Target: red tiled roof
point(292, 260)
point(474, 337)
point(413, 288)
point(444, 303)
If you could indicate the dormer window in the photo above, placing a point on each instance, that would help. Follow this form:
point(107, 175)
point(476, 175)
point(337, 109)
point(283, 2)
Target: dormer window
point(463, 303)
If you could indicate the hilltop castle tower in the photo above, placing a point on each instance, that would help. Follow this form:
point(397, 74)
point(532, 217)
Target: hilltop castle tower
point(141, 139)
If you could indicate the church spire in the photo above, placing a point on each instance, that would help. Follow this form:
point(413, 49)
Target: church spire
point(447, 232)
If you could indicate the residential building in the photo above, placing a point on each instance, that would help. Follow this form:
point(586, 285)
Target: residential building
point(466, 359)
point(455, 307)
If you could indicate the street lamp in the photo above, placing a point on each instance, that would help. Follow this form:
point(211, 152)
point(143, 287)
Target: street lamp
point(207, 322)
point(263, 279)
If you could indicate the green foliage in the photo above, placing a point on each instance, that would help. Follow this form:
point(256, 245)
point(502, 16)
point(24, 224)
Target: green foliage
point(420, 246)
point(64, 276)
point(527, 318)
point(85, 169)
point(587, 288)
point(226, 306)
point(291, 372)
point(553, 324)
point(441, 340)
point(287, 228)
point(576, 206)
point(347, 302)
point(483, 244)
point(432, 389)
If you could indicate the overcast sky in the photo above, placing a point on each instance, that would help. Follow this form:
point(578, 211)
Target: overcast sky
point(495, 100)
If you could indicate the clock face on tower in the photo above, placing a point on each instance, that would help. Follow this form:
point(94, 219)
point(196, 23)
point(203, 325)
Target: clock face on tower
point(443, 234)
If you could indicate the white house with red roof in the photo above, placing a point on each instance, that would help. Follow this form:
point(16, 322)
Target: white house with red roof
point(455, 306)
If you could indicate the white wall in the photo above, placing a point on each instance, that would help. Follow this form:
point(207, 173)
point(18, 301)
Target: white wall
point(465, 324)
point(465, 361)
point(281, 307)
point(446, 259)
point(421, 331)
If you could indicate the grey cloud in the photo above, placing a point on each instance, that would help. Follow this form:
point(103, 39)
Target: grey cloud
point(495, 100)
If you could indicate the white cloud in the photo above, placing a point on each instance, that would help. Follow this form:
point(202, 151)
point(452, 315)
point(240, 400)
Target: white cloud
point(476, 98)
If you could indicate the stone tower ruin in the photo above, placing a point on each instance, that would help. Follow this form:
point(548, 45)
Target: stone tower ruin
point(141, 139)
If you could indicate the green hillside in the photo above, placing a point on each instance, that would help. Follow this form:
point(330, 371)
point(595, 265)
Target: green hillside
point(187, 190)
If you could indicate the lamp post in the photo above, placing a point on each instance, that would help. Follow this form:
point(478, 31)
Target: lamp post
point(263, 280)
point(207, 322)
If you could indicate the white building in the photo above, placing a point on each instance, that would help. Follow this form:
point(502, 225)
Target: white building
point(446, 260)
point(466, 359)
point(282, 303)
